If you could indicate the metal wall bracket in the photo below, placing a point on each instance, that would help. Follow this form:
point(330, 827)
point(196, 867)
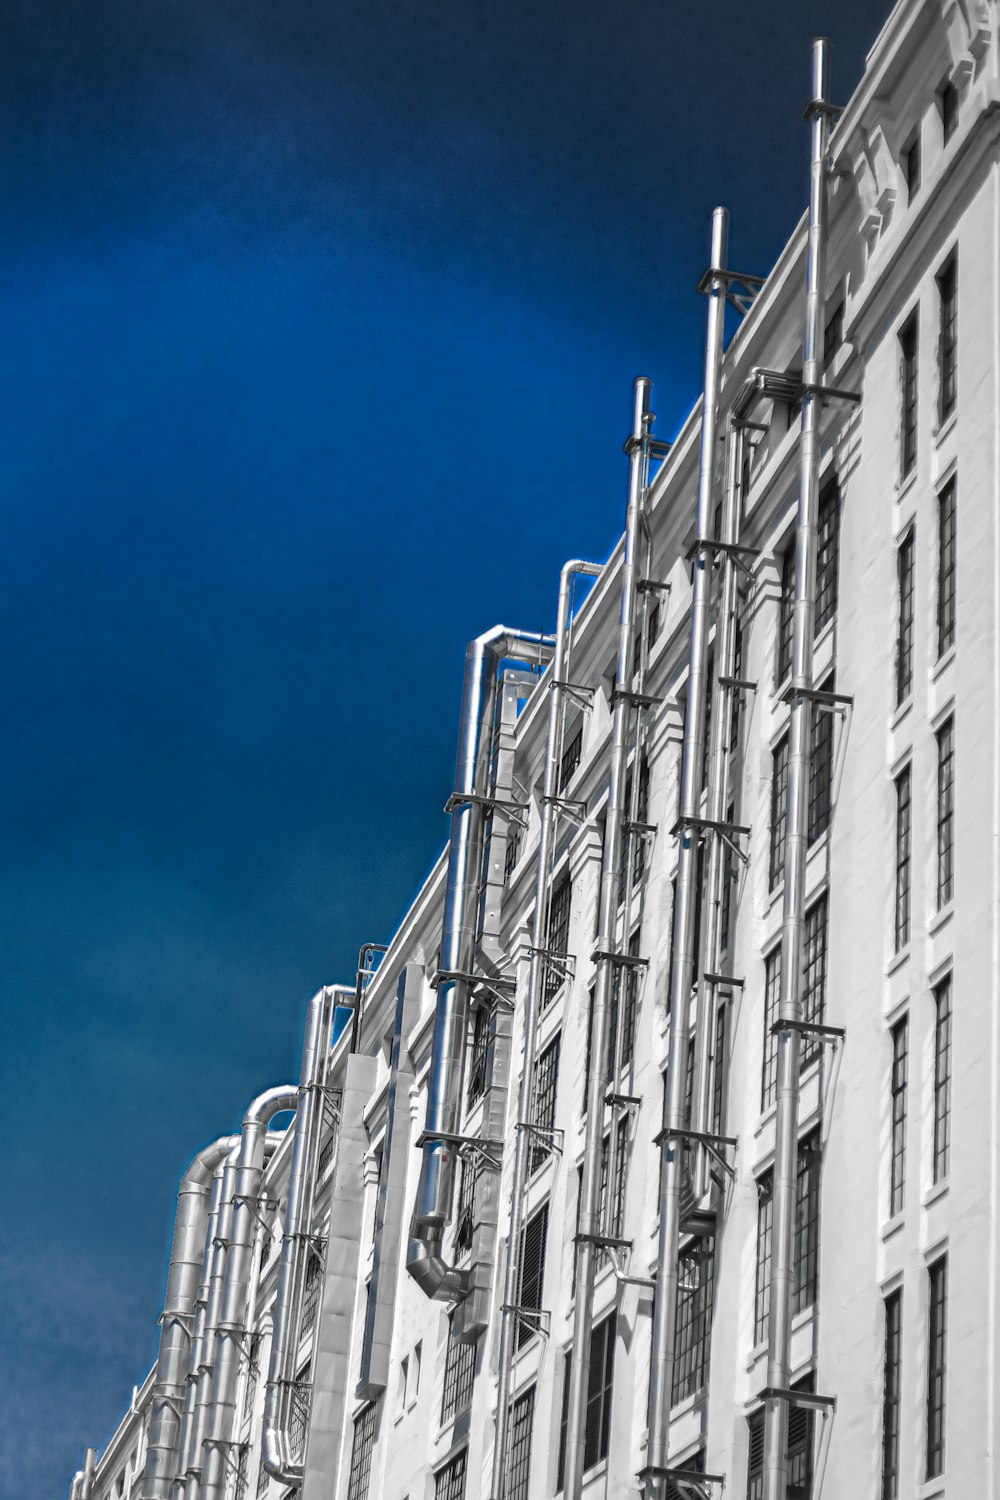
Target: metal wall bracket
point(635, 700)
point(516, 810)
point(831, 1034)
point(652, 586)
point(548, 1137)
point(623, 960)
point(714, 1144)
point(466, 1145)
point(536, 1319)
point(574, 808)
point(725, 981)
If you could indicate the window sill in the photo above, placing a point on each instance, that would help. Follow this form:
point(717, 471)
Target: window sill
point(943, 663)
point(901, 711)
point(598, 1471)
point(941, 918)
point(946, 428)
point(903, 486)
point(934, 1194)
point(898, 960)
point(892, 1226)
point(687, 1404)
point(931, 1489)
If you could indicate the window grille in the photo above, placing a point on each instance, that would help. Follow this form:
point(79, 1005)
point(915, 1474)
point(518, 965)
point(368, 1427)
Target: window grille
point(543, 1102)
point(623, 1000)
point(597, 1421)
point(947, 285)
point(326, 1155)
point(786, 610)
point(820, 770)
point(300, 1398)
point(779, 796)
point(693, 1330)
point(449, 1482)
point(942, 1078)
point(827, 555)
point(479, 1053)
point(531, 1271)
point(253, 1376)
point(814, 978)
point(361, 1453)
point(570, 758)
point(946, 571)
point(772, 991)
point(945, 813)
point(948, 107)
point(513, 849)
point(459, 1375)
point(557, 941)
point(242, 1472)
point(465, 1214)
point(311, 1290)
point(613, 1213)
point(263, 1481)
point(908, 357)
point(806, 1248)
point(906, 579)
point(762, 1282)
point(720, 1072)
point(904, 829)
point(937, 1338)
point(521, 1424)
point(900, 1069)
point(891, 1394)
point(911, 168)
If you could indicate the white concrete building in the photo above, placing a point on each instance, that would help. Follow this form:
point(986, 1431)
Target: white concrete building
point(893, 1295)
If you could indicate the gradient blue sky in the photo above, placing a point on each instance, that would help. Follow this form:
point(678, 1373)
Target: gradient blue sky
point(317, 328)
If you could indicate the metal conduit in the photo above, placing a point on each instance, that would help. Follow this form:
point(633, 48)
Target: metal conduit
point(249, 1170)
point(590, 1191)
point(192, 1462)
point(83, 1480)
point(532, 1001)
point(424, 1256)
point(276, 1452)
point(661, 1371)
point(796, 826)
point(186, 1253)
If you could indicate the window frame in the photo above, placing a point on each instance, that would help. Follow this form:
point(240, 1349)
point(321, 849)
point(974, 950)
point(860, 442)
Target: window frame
point(899, 1073)
point(937, 1366)
point(892, 1361)
point(903, 884)
point(945, 814)
point(946, 600)
point(906, 586)
point(941, 1152)
point(946, 282)
point(909, 354)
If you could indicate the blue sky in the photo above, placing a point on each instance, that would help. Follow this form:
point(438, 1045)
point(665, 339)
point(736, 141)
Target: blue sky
point(318, 330)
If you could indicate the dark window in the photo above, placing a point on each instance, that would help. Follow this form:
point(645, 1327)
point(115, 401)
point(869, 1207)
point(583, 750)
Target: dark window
point(543, 1103)
point(911, 167)
point(693, 1331)
point(897, 1096)
point(772, 991)
point(942, 1078)
point(634, 843)
point(449, 1482)
point(479, 1053)
point(833, 334)
point(736, 696)
point(253, 1377)
point(779, 810)
point(904, 828)
point(719, 1075)
point(798, 1453)
point(326, 1155)
point(908, 379)
point(948, 107)
point(597, 1422)
point(613, 1212)
point(906, 581)
point(937, 1337)
point(242, 1473)
point(707, 742)
point(531, 1272)
point(465, 1212)
point(806, 1254)
point(827, 555)
point(755, 1456)
point(557, 942)
point(459, 1375)
point(361, 1453)
point(947, 567)
point(814, 977)
point(311, 1289)
point(762, 1282)
point(728, 881)
point(786, 611)
point(820, 770)
point(301, 1400)
point(513, 849)
point(624, 999)
point(947, 285)
point(946, 813)
point(571, 757)
point(263, 1481)
point(891, 1394)
point(521, 1422)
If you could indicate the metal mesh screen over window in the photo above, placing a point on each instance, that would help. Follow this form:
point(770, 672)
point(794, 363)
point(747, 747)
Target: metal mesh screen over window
point(263, 1481)
point(459, 1374)
point(543, 1102)
point(762, 1279)
point(827, 555)
point(311, 1290)
point(361, 1453)
point(253, 1376)
point(891, 1395)
point(942, 1078)
point(946, 813)
point(908, 381)
point(947, 284)
point(521, 1422)
point(597, 1429)
point(897, 1092)
point(772, 990)
point(557, 942)
point(570, 758)
point(814, 977)
point(720, 1067)
point(904, 834)
point(946, 573)
point(937, 1340)
point(694, 1320)
point(622, 1005)
point(242, 1471)
point(513, 850)
point(820, 770)
point(779, 795)
point(465, 1214)
point(449, 1482)
point(479, 1053)
point(531, 1272)
point(299, 1397)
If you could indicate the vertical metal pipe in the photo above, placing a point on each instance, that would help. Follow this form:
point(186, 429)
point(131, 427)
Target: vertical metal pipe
point(88, 1473)
point(532, 1001)
point(232, 1323)
point(186, 1254)
point(188, 1453)
point(661, 1368)
point(796, 825)
point(718, 782)
point(590, 1190)
point(218, 1248)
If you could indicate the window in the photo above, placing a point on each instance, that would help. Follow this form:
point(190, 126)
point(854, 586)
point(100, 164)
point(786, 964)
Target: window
point(624, 999)
point(263, 1482)
point(942, 1078)
point(772, 991)
point(736, 698)
point(543, 1103)
point(613, 1214)
point(728, 881)
point(897, 1095)
point(449, 1482)
point(634, 842)
point(719, 1075)
point(521, 1423)
point(806, 1251)
point(311, 1290)
point(479, 1053)
point(762, 1283)
point(779, 810)
point(242, 1473)
point(510, 858)
point(557, 942)
point(253, 1377)
point(908, 356)
point(465, 1212)
point(597, 1422)
point(820, 770)
point(891, 1397)
point(361, 1453)
point(827, 555)
point(945, 813)
point(798, 1454)
point(570, 758)
point(904, 826)
point(906, 584)
point(301, 1394)
point(814, 977)
point(755, 1456)
point(947, 285)
point(459, 1374)
point(911, 167)
point(531, 1272)
point(833, 334)
point(948, 109)
point(786, 611)
point(693, 1330)
point(326, 1155)
point(946, 570)
point(937, 1337)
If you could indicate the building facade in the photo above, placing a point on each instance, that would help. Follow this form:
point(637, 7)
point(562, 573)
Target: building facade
point(771, 732)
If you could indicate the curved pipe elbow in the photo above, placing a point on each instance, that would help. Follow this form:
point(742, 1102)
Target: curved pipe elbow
point(428, 1267)
point(275, 1460)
